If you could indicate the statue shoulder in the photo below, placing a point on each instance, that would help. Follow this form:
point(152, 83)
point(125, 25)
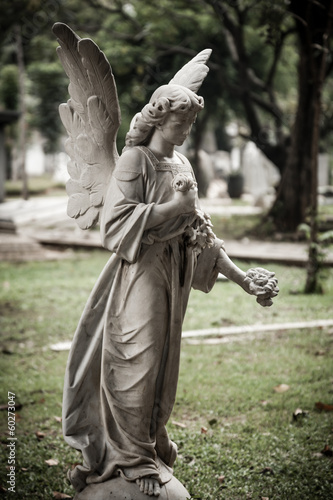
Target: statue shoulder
point(130, 165)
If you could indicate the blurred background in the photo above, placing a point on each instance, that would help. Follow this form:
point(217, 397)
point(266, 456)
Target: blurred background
point(253, 416)
point(264, 138)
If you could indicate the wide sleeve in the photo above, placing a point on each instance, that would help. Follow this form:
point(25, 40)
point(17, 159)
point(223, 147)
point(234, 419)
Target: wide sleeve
point(125, 212)
point(206, 271)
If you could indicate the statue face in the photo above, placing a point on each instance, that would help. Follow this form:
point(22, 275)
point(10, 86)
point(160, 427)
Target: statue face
point(176, 127)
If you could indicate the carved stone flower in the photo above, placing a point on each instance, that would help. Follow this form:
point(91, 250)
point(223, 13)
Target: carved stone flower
point(263, 284)
point(182, 182)
point(200, 234)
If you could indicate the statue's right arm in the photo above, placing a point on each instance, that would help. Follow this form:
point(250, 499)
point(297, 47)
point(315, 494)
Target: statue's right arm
point(129, 176)
point(127, 215)
point(182, 203)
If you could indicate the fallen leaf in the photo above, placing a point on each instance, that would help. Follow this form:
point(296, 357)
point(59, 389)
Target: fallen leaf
point(61, 346)
point(24, 469)
point(323, 406)
point(75, 464)
point(7, 351)
point(267, 470)
point(299, 413)
point(179, 424)
point(281, 388)
point(204, 430)
point(40, 435)
point(327, 451)
point(221, 479)
point(58, 419)
point(60, 496)
point(51, 462)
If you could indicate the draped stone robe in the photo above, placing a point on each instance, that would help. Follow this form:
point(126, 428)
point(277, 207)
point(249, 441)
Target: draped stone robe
point(122, 372)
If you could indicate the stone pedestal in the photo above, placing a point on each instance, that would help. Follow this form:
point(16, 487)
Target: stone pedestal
point(120, 489)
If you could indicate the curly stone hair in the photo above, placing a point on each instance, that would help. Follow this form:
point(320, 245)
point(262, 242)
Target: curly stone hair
point(166, 99)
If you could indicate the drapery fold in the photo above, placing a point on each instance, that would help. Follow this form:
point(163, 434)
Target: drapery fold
point(122, 372)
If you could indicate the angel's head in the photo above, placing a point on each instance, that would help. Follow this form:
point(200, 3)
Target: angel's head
point(166, 100)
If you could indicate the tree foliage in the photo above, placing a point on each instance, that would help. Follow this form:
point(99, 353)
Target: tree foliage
point(9, 87)
point(256, 77)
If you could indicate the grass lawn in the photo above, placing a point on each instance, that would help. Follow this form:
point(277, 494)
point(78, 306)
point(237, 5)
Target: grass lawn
point(236, 435)
point(37, 185)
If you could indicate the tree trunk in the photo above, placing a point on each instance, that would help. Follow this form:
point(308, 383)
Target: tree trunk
point(294, 195)
point(22, 120)
point(313, 284)
point(297, 196)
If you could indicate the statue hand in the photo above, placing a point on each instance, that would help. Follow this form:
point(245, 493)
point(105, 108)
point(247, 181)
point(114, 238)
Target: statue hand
point(186, 200)
point(263, 284)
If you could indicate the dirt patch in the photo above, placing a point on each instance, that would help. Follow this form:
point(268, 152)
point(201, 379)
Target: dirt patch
point(9, 308)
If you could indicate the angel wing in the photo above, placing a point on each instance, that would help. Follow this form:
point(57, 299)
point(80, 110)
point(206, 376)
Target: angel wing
point(194, 72)
point(92, 118)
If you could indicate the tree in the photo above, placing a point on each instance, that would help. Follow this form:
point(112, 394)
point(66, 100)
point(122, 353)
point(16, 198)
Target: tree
point(291, 150)
point(260, 50)
point(293, 147)
point(297, 196)
point(314, 27)
point(22, 121)
point(21, 21)
point(252, 42)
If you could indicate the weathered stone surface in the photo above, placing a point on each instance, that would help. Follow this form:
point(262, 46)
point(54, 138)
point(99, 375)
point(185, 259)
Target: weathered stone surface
point(119, 489)
point(122, 371)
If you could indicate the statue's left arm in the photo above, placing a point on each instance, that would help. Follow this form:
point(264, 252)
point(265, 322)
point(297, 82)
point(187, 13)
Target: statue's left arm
point(258, 281)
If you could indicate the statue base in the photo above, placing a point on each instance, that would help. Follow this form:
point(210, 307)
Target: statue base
point(120, 489)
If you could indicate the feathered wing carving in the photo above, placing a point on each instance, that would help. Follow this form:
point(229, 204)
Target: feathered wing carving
point(194, 72)
point(92, 118)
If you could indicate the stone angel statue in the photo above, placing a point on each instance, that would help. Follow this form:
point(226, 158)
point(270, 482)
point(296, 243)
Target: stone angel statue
point(122, 371)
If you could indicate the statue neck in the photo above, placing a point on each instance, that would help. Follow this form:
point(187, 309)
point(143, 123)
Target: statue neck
point(163, 150)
